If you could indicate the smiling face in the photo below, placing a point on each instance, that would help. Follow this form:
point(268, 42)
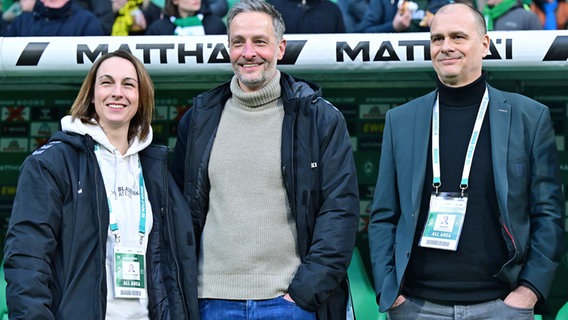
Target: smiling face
point(458, 44)
point(116, 94)
point(254, 49)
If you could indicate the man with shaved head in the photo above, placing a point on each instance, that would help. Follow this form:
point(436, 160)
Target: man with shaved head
point(467, 216)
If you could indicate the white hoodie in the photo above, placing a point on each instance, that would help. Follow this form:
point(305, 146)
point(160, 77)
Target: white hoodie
point(121, 178)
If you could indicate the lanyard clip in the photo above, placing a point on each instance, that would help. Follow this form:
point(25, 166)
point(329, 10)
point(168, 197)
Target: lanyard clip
point(463, 187)
point(436, 186)
point(114, 230)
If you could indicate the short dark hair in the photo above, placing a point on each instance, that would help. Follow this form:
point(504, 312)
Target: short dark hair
point(258, 6)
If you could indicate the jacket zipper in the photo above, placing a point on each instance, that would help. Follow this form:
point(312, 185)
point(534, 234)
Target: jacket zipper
point(510, 237)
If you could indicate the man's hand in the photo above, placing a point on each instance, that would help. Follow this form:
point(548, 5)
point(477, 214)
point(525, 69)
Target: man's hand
point(522, 297)
point(401, 21)
point(399, 300)
point(287, 297)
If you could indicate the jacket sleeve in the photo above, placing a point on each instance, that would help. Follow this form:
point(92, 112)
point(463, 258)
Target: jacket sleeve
point(546, 209)
point(183, 244)
point(103, 11)
point(92, 27)
point(385, 213)
point(31, 241)
point(14, 29)
point(179, 160)
point(179, 169)
point(336, 219)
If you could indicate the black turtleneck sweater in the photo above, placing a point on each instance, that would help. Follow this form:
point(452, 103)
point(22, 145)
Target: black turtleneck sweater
point(466, 275)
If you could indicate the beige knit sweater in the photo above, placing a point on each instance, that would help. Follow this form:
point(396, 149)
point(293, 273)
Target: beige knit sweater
point(249, 239)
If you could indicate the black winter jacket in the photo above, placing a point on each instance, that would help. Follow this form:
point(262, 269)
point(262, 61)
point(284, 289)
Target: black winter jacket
point(319, 175)
point(54, 255)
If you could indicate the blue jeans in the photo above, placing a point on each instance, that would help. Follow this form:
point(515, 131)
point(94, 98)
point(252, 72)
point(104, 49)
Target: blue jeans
point(415, 308)
point(270, 309)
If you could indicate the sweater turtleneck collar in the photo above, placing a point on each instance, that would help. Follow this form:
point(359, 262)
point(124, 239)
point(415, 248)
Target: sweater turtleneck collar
point(462, 96)
point(267, 94)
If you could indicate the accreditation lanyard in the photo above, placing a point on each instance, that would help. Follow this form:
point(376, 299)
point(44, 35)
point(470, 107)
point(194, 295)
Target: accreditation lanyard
point(112, 215)
point(446, 213)
point(437, 180)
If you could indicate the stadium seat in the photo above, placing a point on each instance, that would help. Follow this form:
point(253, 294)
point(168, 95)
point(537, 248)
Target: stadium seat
point(362, 293)
point(3, 306)
point(563, 312)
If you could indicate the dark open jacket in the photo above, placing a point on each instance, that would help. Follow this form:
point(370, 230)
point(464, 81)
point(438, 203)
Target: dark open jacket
point(527, 183)
point(54, 255)
point(319, 175)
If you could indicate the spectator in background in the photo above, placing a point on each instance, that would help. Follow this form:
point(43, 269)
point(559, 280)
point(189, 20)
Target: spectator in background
point(432, 7)
point(152, 12)
point(386, 16)
point(183, 19)
point(215, 7)
point(27, 5)
point(353, 12)
point(402, 16)
point(553, 14)
point(562, 15)
point(134, 16)
point(16, 8)
point(310, 16)
point(509, 15)
point(13, 9)
point(103, 10)
point(55, 18)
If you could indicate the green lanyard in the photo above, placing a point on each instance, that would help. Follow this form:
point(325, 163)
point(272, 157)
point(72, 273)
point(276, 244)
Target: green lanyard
point(112, 216)
point(471, 147)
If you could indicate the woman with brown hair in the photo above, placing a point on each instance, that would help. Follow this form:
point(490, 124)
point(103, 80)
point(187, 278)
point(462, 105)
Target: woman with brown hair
point(98, 228)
